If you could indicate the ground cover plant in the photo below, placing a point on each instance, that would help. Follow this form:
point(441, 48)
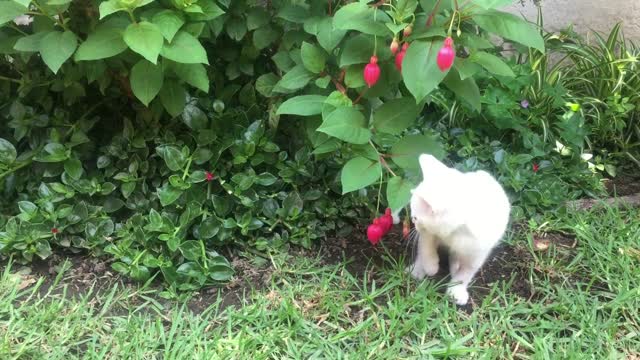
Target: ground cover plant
point(575, 298)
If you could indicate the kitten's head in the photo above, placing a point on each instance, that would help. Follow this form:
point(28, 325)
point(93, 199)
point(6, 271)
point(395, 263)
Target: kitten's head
point(433, 192)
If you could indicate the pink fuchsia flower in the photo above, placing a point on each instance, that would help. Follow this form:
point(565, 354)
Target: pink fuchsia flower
point(24, 20)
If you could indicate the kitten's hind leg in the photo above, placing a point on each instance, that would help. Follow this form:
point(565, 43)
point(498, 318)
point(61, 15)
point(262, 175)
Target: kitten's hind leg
point(463, 268)
point(427, 260)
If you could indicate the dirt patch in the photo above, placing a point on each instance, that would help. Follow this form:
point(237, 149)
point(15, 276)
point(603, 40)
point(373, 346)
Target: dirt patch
point(623, 185)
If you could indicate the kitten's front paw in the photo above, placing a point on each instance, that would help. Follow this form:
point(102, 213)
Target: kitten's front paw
point(416, 271)
point(431, 268)
point(459, 293)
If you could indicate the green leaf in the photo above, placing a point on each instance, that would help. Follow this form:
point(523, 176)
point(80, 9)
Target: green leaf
point(492, 63)
point(145, 39)
point(52, 152)
point(305, 105)
point(466, 89)
point(292, 204)
point(266, 179)
point(396, 115)
point(193, 74)
point(191, 250)
point(8, 153)
point(43, 249)
point(73, 167)
point(295, 79)
point(257, 17)
point(420, 69)
point(466, 68)
point(294, 13)
point(103, 43)
point(109, 7)
point(173, 157)
point(347, 124)
point(210, 11)
point(185, 49)
point(168, 194)
point(169, 22)
point(146, 81)
point(236, 28)
point(31, 43)
point(360, 17)
point(173, 97)
point(264, 37)
point(10, 10)
point(313, 58)
point(56, 48)
point(398, 193)
point(209, 228)
point(510, 27)
point(405, 152)
point(265, 84)
point(328, 36)
point(358, 50)
point(195, 118)
point(358, 173)
point(27, 210)
point(491, 4)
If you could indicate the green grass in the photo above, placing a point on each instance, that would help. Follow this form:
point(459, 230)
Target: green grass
point(586, 304)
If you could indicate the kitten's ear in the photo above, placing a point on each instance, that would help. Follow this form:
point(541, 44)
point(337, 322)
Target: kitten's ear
point(429, 164)
point(419, 205)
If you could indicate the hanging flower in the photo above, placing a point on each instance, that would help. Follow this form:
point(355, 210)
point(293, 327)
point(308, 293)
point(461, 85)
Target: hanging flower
point(524, 103)
point(372, 72)
point(446, 55)
point(24, 20)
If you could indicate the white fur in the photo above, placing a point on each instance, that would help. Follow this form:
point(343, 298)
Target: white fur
point(467, 213)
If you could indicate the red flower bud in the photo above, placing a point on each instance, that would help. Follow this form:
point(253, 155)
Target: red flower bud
point(375, 232)
point(400, 58)
point(209, 176)
point(536, 167)
point(446, 55)
point(54, 231)
point(394, 46)
point(372, 72)
point(407, 31)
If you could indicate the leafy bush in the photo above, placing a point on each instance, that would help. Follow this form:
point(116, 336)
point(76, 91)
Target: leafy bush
point(162, 133)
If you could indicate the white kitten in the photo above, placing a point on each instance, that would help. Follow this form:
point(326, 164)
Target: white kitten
point(466, 212)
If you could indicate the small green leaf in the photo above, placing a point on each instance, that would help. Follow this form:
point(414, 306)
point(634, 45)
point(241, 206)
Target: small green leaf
point(398, 193)
point(466, 89)
point(209, 228)
point(265, 84)
point(168, 194)
point(396, 115)
point(109, 7)
point(266, 179)
point(31, 43)
point(295, 79)
point(185, 49)
point(173, 157)
point(405, 153)
point(146, 81)
point(193, 74)
point(8, 153)
point(73, 167)
point(510, 27)
point(304, 105)
point(57, 47)
point(103, 43)
point(492, 63)
point(361, 17)
point(420, 69)
point(210, 11)
point(491, 4)
point(145, 39)
point(191, 250)
point(358, 173)
point(313, 58)
point(264, 37)
point(466, 68)
point(10, 10)
point(358, 50)
point(236, 28)
point(347, 124)
point(328, 36)
point(169, 22)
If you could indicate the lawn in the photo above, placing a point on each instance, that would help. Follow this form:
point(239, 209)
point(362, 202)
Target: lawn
point(569, 288)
